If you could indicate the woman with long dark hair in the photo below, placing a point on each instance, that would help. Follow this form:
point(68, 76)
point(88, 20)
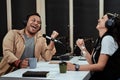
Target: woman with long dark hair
point(104, 61)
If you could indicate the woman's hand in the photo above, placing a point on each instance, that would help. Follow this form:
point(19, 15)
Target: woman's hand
point(70, 67)
point(80, 43)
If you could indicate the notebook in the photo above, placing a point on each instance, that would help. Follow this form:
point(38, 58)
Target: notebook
point(35, 74)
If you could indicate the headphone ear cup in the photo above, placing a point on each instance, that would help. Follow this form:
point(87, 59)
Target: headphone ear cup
point(24, 22)
point(110, 23)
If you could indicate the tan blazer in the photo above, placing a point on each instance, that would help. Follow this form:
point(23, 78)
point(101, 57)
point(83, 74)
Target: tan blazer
point(13, 47)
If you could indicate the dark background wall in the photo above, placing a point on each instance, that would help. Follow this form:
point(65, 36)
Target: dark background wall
point(112, 6)
point(3, 22)
point(21, 8)
point(57, 18)
point(86, 14)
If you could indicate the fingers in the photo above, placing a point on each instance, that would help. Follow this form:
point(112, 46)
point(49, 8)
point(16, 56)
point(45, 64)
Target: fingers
point(80, 42)
point(26, 59)
point(54, 34)
point(70, 67)
point(24, 63)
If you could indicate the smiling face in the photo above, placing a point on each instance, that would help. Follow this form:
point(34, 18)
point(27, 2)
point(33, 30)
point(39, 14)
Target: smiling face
point(101, 27)
point(101, 23)
point(33, 25)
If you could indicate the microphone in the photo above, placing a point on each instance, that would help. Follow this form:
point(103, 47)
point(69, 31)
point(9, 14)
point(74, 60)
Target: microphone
point(85, 40)
point(55, 40)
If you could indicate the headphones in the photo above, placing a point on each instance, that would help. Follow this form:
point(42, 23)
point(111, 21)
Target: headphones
point(110, 23)
point(24, 22)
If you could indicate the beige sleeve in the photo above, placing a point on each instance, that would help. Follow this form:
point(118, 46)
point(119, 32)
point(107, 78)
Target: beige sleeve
point(8, 46)
point(46, 52)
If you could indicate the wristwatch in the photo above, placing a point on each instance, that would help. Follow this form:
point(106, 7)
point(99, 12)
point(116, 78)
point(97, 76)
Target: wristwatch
point(77, 66)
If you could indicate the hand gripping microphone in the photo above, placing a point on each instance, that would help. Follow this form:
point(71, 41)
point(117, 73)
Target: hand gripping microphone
point(55, 40)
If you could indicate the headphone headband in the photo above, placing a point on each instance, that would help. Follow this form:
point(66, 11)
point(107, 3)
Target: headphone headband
point(110, 15)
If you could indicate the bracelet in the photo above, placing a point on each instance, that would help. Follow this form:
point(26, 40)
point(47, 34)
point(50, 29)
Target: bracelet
point(19, 65)
point(84, 53)
point(83, 47)
point(16, 63)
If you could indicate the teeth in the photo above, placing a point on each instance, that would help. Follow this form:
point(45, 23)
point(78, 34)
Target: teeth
point(34, 28)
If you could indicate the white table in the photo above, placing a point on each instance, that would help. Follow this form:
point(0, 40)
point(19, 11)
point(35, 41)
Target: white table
point(54, 73)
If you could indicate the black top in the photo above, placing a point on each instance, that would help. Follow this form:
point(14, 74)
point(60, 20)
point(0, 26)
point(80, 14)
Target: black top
point(112, 68)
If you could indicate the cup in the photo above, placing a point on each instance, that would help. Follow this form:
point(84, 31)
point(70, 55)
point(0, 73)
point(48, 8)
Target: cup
point(32, 63)
point(63, 67)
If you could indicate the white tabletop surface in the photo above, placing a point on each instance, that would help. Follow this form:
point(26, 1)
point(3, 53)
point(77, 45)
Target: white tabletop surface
point(54, 73)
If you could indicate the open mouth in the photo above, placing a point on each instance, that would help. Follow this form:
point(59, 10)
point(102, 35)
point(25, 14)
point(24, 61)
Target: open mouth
point(34, 27)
